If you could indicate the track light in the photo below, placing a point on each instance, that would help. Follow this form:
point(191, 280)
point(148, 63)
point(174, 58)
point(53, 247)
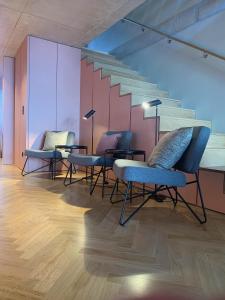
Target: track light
point(205, 54)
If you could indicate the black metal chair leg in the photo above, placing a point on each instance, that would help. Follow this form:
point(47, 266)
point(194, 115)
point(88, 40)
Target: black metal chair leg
point(24, 166)
point(92, 174)
point(67, 174)
point(201, 220)
point(201, 199)
point(171, 196)
point(115, 187)
point(103, 182)
point(122, 220)
point(95, 183)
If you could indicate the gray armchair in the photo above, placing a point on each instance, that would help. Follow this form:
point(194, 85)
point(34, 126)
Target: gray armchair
point(164, 179)
point(105, 161)
point(50, 157)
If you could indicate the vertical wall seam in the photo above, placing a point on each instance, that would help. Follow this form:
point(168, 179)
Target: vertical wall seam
point(27, 117)
point(56, 109)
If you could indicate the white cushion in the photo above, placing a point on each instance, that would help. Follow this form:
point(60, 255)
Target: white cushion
point(54, 138)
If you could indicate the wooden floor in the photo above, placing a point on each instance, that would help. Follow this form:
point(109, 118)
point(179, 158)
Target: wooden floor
point(60, 243)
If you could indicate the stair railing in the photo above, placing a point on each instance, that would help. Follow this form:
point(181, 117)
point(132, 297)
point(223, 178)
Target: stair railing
point(170, 38)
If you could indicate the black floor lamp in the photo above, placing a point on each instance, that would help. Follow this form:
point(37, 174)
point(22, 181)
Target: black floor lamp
point(154, 103)
point(89, 114)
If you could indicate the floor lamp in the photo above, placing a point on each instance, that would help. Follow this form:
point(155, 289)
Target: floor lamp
point(89, 114)
point(154, 103)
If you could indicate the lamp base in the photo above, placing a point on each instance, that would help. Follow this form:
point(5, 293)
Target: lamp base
point(159, 198)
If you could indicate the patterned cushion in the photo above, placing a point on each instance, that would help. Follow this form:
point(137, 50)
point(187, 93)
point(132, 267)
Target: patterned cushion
point(54, 138)
point(170, 148)
point(107, 142)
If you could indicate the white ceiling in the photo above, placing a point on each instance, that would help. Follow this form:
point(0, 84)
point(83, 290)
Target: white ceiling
point(72, 22)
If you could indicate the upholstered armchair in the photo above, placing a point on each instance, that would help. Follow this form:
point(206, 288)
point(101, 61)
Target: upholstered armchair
point(178, 153)
point(113, 140)
point(49, 152)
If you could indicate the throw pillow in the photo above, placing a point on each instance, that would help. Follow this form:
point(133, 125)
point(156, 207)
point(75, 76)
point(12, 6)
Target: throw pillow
point(107, 141)
point(54, 138)
point(170, 148)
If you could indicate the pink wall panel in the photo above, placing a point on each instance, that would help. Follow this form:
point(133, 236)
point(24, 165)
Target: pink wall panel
point(8, 111)
point(212, 184)
point(101, 94)
point(20, 102)
point(120, 108)
point(86, 92)
point(189, 192)
point(143, 129)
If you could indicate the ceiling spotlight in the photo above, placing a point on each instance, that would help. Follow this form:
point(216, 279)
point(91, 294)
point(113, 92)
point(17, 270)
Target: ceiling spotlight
point(205, 54)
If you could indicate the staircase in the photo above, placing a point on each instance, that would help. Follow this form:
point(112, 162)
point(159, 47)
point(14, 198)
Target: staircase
point(172, 114)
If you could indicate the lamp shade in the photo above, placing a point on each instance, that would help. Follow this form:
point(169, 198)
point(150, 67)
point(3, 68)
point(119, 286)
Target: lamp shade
point(152, 103)
point(89, 114)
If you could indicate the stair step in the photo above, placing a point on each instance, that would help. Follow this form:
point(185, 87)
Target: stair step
point(213, 157)
point(98, 65)
point(163, 110)
point(125, 89)
point(171, 123)
point(216, 140)
point(138, 99)
point(107, 72)
point(134, 82)
point(87, 52)
point(106, 61)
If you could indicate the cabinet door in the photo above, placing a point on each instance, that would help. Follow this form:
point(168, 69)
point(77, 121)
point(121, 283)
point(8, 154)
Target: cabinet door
point(42, 92)
point(68, 89)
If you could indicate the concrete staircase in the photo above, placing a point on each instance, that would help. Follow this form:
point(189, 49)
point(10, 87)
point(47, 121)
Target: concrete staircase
point(172, 114)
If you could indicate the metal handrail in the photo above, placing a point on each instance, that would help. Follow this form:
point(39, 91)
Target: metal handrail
point(205, 51)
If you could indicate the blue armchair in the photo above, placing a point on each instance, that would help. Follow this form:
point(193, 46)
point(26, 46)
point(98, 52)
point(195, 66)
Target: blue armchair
point(105, 161)
point(164, 179)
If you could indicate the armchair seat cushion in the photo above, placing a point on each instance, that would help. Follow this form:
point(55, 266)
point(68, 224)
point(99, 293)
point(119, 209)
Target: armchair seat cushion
point(84, 160)
point(90, 160)
point(41, 154)
point(130, 170)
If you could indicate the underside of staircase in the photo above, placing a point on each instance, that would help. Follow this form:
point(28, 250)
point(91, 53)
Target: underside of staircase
point(171, 113)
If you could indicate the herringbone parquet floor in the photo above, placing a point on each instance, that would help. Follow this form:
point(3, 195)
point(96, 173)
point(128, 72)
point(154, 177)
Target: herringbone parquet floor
point(60, 243)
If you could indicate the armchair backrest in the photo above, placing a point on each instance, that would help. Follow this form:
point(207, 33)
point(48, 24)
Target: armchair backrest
point(70, 137)
point(125, 140)
point(123, 143)
point(190, 160)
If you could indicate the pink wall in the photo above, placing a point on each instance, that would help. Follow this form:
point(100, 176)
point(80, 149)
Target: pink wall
point(114, 112)
point(20, 102)
point(8, 110)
